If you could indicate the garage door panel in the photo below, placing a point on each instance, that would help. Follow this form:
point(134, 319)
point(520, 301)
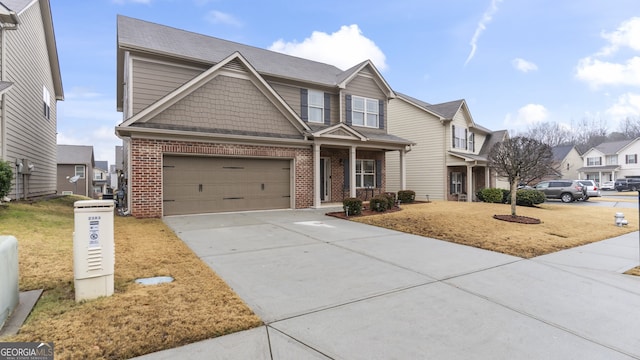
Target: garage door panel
point(209, 184)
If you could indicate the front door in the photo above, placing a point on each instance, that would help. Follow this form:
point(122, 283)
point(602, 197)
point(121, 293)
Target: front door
point(325, 179)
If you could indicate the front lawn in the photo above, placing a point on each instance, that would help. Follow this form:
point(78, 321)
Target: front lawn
point(562, 227)
point(137, 319)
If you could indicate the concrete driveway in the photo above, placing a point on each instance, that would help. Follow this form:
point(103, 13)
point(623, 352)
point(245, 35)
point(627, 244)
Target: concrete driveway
point(330, 288)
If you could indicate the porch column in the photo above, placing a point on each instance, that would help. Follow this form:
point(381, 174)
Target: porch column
point(316, 175)
point(487, 177)
point(403, 170)
point(352, 172)
point(469, 183)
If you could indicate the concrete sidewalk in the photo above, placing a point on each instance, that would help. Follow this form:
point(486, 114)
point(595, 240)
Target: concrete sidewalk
point(329, 288)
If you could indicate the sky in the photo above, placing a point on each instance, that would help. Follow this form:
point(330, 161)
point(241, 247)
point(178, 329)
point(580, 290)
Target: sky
point(516, 63)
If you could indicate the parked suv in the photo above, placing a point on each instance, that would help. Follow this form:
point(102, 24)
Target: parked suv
point(592, 188)
point(565, 190)
point(632, 184)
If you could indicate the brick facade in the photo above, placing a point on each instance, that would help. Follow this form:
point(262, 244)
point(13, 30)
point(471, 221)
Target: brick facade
point(146, 169)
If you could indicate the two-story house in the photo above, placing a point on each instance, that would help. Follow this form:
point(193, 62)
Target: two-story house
point(611, 160)
point(568, 161)
point(30, 86)
point(449, 161)
point(100, 178)
point(75, 170)
point(212, 125)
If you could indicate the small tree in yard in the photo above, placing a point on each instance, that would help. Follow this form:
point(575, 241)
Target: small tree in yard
point(521, 159)
point(6, 174)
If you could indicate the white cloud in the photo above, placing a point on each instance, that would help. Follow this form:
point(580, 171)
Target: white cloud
point(343, 49)
point(627, 35)
point(482, 26)
point(524, 65)
point(220, 18)
point(627, 105)
point(527, 115)
point(597, 72)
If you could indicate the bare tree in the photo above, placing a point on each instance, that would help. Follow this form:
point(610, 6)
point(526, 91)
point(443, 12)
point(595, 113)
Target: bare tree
point(588, 133)
point(550, 133)
point(630, 128)
point(521, 159)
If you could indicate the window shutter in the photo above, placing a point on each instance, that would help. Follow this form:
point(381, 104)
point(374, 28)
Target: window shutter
point(466, 140)
point(381, 114)
point(347, 105)
point(453, 136)
point(304, 104)
point(346, 174)
point(379, 174)
point(327, 109)
point(472, 139)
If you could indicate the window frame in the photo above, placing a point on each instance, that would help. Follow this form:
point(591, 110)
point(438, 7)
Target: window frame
point(594, 161)
point(629, 157)
point(364, 113)
point(314, 106)
point(46, 99)
point(83, 171)
point(361, 174)
point(460, 142)
point(457, 182)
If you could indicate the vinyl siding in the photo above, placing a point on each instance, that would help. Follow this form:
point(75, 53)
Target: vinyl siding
point(30, 135)
point(425, 168)
point(152, 80)
point(227, 103)
point(365, 86)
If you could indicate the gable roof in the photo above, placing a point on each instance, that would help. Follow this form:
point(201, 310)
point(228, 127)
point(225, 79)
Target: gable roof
point(561, 151)
point(492, 139)
point(139, 35)
point(613, 147)
point(197, 82)
point(19, 6)
point(448, 109)
point(75, 154)
point(102, 165)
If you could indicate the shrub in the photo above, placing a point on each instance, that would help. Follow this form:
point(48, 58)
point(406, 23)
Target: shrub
point(506, 196)
point(391, 199)
point(406, 196)
point(527, 197)
point(379, 203)
point(6, 174)
point(354, 204)
point(490, 195)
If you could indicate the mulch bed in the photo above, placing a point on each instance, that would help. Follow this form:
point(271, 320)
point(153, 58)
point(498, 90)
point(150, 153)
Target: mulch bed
point(367, 212)
point(518, 219)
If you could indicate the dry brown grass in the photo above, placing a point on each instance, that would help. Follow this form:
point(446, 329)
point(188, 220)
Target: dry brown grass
point(562, 227)
point(137, 319)
point(635, 271)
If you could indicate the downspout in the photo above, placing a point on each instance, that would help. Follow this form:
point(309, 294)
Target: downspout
point(3, 97)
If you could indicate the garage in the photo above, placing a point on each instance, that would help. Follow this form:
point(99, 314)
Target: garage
point(193, 185)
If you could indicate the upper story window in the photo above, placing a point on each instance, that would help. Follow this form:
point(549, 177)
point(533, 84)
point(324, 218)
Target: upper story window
point(80, 171)
point(98, 175)
point(472, 142)
point(316, 106)
point(612, 159)
point(631, 159)
point(46, 99)
point(364, 112)
point(594, 161)
point(459, 137)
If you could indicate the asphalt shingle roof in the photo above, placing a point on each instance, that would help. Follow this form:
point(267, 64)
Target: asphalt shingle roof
point(561, 151)
point(611, 148)
point(75, 154)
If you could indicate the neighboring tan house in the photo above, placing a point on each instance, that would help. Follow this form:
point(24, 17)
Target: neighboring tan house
point(449, 161)
point(568, 161)
point(100, 178)
point(75, 170)
point(212, 125)
point(30, 86)
point(611, 160)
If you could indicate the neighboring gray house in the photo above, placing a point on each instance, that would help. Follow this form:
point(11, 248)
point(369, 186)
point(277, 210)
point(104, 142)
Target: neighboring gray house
point(449, 161)
point(100, 178)
point(212, 125)
point(611, 160)
point(30, 86)
point(75, 162)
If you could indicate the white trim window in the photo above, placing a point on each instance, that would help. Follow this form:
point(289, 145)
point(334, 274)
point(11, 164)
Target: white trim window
point(365, 173)
point(46, 99)
point(631, 159)
point(316, 106)
point(365, 112)
point(594, 161)
point(456, 183)
point(612, 159)
point(80, 171)
point(459, 137)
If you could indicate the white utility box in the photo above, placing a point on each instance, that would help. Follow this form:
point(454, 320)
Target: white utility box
point(93, 249)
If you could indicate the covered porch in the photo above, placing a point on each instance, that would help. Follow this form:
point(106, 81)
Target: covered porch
point(466, 174)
